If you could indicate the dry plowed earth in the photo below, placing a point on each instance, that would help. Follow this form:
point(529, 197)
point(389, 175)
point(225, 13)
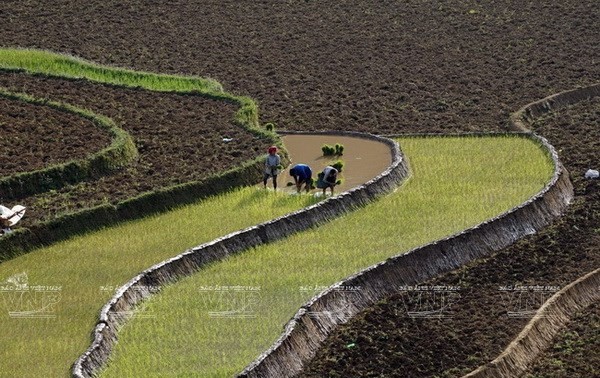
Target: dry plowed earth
point(179, 138)
point(382, 67)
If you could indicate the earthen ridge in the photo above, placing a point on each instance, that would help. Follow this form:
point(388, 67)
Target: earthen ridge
point(541, 329)
point(561, 307)
point(315, 320)
point(118, 309)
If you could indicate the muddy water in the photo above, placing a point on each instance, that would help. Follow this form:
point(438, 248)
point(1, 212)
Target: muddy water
point(363, 159)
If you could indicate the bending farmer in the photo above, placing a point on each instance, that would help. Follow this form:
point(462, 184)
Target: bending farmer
point(302, 174)
point(272, 166)
point(327, 179)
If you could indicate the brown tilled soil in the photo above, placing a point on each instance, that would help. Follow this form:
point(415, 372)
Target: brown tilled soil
point(35, 136)
point(573, 353)
point(494, 297)
point(179, 138)
point(382, 67)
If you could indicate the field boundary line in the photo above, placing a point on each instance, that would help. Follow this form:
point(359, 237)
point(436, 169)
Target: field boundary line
point(305, 332)
point(118, 310)
point(44, 63)
point(557, 311)
point(538, 334)
point(119, 153)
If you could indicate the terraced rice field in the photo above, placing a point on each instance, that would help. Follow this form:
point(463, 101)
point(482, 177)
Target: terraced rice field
point(385, 67)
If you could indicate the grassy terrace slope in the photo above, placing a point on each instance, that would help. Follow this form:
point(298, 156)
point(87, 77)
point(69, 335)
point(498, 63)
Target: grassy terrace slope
point(89, 268)
point(425, 66)
point(47, 63)
point(178, 124)
point(456, 183)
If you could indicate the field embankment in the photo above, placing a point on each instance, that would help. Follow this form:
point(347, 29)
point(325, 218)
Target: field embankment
point(191, 139)
point(455, 183)
point(86, 271)
point(491, 309)
point(383, 67)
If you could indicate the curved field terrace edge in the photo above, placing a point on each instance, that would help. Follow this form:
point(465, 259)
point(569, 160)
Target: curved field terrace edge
point(114, 313)
point(119, 153)
point(539, 333)
point(305, 332)
point(45, 63)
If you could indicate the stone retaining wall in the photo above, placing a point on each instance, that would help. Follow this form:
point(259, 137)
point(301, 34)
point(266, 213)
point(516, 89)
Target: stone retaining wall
point(557, 311)
point(540, 331)
point(119, 308)
point(315, 320)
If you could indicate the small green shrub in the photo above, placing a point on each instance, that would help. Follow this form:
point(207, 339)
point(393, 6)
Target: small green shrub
point(329, 150)
point(270, 127)
point(339, 165)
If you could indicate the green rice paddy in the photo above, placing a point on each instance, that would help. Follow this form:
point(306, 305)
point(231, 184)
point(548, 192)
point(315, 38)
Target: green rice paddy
point(88, 269)
point(194, 327)
point(217, 321)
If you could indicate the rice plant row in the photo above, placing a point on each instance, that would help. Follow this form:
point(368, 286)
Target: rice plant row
point(217, 321)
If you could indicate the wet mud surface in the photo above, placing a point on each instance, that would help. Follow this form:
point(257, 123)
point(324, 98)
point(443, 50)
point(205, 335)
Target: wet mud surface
point(382, 67)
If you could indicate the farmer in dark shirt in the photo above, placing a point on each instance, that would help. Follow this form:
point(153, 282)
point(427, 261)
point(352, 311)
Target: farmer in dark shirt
point(302, 174)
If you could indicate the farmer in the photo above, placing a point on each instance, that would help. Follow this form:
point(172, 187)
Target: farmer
point(302, 174)
point(327, 179)
point(272, 166)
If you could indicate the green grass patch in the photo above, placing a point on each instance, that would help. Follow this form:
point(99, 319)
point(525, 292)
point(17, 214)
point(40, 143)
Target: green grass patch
point(38, 62)
point(87, 269)
point(217, 321)
point(53, 64)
